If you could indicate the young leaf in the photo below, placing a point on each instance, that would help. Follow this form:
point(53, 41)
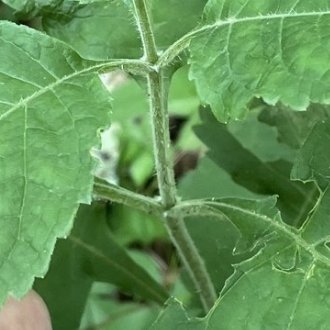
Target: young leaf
point(269, 49)
point(51, 105)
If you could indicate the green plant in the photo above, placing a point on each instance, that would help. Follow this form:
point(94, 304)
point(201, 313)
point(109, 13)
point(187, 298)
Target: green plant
point(261, 190)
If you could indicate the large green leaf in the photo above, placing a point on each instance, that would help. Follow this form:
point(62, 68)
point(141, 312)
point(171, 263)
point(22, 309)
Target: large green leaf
point(106, 29)
point(272, 49)
point(50, 109)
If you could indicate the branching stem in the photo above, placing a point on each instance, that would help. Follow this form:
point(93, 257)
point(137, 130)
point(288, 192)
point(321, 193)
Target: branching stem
point(126, 197)
point(158, 85)
point(192, 261)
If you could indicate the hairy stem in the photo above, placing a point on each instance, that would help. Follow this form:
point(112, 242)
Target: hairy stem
point(161, 138)
point(144, 26)
point(121, 195)
point(192, 261)
point(158, 98)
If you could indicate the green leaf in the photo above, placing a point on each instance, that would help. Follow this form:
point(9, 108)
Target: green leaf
point(65, 288)
point(293, 127)
point(106, 29)
point(29, 9)
point(284, 286)
point(91, 254)
point(173, 316)
point(263, 178)
point(168, 25)
point(312, 162)
point(260, 139)
point(281, 286)
point(247, 49)
point(317, 229)
point(217, 245)
point(6, 13)
point(51, 106)
point(260, 216)
point(209, 180)
point(104, 260)
point(99, 30)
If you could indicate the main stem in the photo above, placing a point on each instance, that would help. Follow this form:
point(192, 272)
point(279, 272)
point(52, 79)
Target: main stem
point(157, 87)
point(158, 98)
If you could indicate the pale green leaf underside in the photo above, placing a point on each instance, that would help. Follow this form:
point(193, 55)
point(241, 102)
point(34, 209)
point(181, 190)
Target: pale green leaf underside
point(50, 110)
point(277, 50)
